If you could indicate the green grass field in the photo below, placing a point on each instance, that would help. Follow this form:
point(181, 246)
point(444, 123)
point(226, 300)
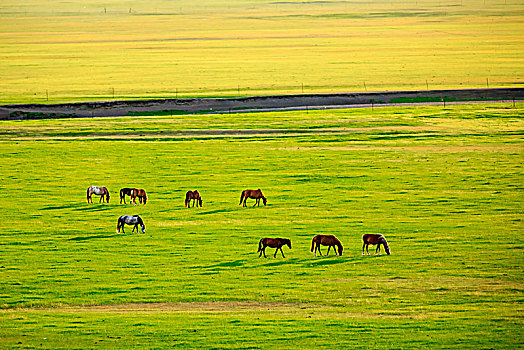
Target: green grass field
point(55, 51)
point(444, 185)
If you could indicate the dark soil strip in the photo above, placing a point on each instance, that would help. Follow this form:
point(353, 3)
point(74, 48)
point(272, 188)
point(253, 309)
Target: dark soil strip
point(254, 103)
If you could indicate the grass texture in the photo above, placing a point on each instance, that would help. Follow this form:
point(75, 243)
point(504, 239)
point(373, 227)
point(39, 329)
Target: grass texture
point(444, 185)
point(56, 51)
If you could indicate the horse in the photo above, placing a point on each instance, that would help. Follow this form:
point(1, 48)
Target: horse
point(124, 192)
point(373, 238)
point(130, 220)
point(100, 191)
point(273, 243)
point(141, 194)
point(255, 194)
point(195, 196)
point(329, 240)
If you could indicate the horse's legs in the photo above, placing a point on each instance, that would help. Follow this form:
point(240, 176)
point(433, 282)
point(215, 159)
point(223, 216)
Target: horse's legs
point(264, 251)
point(256, 200)
point(101, 198)
point(329, 247)
point(367, 248)
point(363, 245)
point(281, 252)
point(378, 250)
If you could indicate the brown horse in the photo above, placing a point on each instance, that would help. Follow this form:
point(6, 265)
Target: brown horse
point(255, 194)
point(140, 193)
point(99, 191)
point(378, 239)
point(273, 243)
point(195, 196)
point(329, 240)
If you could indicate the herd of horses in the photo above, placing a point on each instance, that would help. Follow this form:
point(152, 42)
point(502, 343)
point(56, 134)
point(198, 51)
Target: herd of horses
point(319, 240)
point(326, 240)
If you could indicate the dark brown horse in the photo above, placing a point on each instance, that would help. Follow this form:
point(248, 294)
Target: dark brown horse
point(273, 243)
point(329, 240)
point(99, 191)
point(140, 193)
point(133, 193)
point(255, 194)
point(195, 196)
point(378, 239)
point(125, 192)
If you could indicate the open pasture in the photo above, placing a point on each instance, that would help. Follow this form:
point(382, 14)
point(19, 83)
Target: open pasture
point(443, 185)
point(76, 50)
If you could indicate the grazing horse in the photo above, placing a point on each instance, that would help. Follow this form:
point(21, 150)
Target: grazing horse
point(195, 196)
point(141, 194)
point(99, 191)
point(133, 193)
point(329, 240)
point(130, 220)
point(124, 192)
point(378, 239)
point(255, 194)
point(273, 243)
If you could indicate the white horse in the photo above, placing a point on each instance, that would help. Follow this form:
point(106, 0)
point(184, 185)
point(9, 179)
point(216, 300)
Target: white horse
point(99, 191)
point(130, 220)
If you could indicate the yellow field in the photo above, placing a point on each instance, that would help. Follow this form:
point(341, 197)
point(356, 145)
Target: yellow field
point(65, 51)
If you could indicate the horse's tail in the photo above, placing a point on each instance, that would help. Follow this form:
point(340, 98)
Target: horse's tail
point(88, 194)
point(187, 200)
point(313, 244)
point(241, 197)
point(118, 225)
point(260, 245)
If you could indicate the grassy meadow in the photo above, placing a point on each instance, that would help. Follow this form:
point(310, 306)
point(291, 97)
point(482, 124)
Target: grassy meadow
point(444, 185)
point(57, 51)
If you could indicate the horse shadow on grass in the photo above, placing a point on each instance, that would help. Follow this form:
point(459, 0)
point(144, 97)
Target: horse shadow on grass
point(235, 263)
point(87, 238)
point(286, 261)
point(216, 211)
point(93, 208)
point(74, 206)
point(327, 261)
